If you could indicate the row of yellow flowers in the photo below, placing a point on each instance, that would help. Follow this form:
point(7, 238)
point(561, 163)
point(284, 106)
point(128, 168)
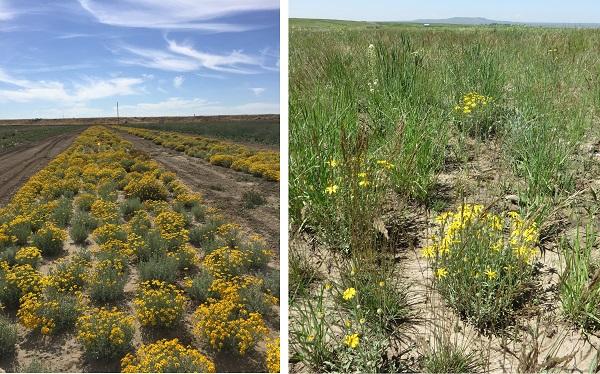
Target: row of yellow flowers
point(261, 163)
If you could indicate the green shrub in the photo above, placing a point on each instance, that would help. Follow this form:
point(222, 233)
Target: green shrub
point(445, 355)
point(61, 216)
point(49, 239)
point(84, 201)
point(159, 267)
point(199, 213)
point(252, 199)
point(8, 337)
point(20, 227)
point(130, 206)
point(107, 281)
point(197, 287)
point(140, 223)
point(8, 255)
point(154, 245)
point(203, 235)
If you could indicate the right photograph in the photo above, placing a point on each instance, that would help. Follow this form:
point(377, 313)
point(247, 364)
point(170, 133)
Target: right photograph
point(444, 181)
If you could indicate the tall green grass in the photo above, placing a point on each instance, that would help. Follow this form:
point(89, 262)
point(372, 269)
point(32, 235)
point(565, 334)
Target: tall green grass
point(399, 95)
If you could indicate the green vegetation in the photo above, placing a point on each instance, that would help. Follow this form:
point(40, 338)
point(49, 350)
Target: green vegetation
point(260, 132)
point(471, 145)
point(15, 135)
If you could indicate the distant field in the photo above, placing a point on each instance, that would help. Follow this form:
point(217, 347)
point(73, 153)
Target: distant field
point(260, 131)
point(13, 136)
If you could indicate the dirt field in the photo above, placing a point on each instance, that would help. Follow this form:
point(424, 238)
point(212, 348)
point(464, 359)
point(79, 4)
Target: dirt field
point(18, 164)
point(222, 188)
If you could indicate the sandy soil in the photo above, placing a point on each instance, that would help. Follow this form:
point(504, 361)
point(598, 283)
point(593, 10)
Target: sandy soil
point(222, 188)
point(20, 163)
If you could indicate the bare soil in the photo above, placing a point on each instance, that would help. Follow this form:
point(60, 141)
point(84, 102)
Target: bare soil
point(19, 164)
point(222, 188)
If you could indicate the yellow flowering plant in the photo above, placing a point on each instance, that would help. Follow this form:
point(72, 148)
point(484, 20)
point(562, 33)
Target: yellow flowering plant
point(69, 275)
point(166, 356)
point(159, 304)
point(9, 291)
point(49, 311)
point(477, 114)
point(273, 355)
point(49, 239)
point(28, 255)
point(482, 262)
point(105, 333)
point(225, 323)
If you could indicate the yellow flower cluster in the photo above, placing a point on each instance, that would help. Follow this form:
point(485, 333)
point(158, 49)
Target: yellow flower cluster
point(68, 275)
point(28, 255)
point(171, 226)
point(235, 156)
point(25, 278)
point(105, 332)
point(6, 238)
point(106, 233)
point(472, 221)
point(159, 304)
point(46, 311)
point(226, 262)
point(146, 188)
point(273, 356)
point(166, 356)
point(105, 211)
point(471, 102)
point(226, 322)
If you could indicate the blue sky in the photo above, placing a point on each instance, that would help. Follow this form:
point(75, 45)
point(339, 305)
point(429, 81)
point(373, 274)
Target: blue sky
point(586, 11)
point(76, 58)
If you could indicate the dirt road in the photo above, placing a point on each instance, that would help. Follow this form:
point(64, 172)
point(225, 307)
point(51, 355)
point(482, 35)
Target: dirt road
point(222, 188)
point(20, 163)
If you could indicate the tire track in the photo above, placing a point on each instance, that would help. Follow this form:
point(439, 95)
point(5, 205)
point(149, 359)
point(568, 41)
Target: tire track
point(19, 164)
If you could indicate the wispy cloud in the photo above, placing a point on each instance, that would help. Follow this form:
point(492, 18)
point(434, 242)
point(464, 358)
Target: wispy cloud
point(183, 57)
point(74, 36)
point(6, 12)
point(157, 59)
point(46, 69)
point(24, 91)
point(180, 107)
point(174, 14)
point(258, 91)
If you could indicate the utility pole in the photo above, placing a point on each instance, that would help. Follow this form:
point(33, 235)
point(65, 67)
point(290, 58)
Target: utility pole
point(117, 112)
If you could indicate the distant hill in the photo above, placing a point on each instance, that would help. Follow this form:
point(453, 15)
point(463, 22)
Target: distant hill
point(462, 21)
point(486, 21)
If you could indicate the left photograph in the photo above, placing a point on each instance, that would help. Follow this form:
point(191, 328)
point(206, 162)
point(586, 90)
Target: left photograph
point(139, 186)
